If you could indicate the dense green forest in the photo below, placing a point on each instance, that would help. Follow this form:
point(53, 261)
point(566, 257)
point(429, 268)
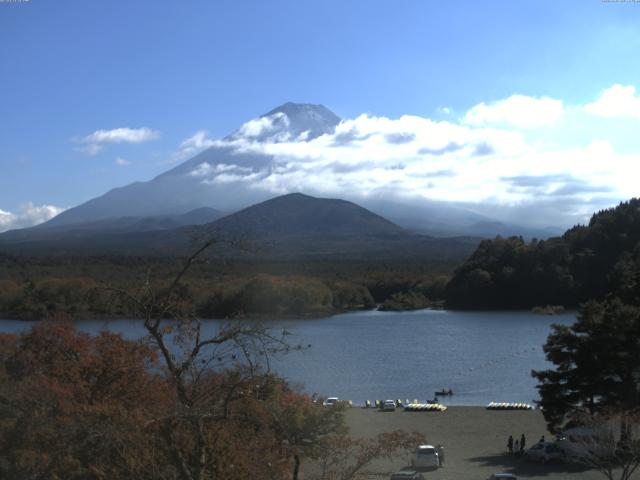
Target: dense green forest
point(587, 262)
point(86, 287)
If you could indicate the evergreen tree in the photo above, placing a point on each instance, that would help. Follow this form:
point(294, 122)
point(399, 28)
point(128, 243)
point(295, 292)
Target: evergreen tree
point(597, 364)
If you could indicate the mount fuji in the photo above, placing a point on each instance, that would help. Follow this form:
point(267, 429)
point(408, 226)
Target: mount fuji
point(216, 179)
point(181, 189)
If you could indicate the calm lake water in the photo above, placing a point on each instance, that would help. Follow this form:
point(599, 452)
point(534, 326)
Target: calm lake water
point(481, 356)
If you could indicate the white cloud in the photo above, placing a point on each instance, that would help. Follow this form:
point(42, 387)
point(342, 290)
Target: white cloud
point(94, 142)
point(27, 215)
point(205, 170)
point(122, 135)
point(121, 162)
point(91, 150)
point(192, 145)
point(272, 128)
point(518, 111)
point(616, 101)
point(414, 159)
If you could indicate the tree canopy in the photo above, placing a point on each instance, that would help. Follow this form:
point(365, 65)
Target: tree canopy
point(76, 406)
point(586, 263)
point(597, 364)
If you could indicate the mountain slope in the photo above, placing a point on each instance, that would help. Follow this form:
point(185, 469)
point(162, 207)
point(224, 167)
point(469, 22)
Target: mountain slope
point(297, 214)
point(288, 122)
point(298, 226)
point(293, 226)
point(181, 189)
point(90, 231)
point(242, 169)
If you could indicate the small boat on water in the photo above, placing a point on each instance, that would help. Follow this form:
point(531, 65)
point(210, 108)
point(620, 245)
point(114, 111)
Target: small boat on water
point(443, 392)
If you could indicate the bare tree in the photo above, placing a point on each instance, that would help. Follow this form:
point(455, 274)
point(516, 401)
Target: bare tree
point(608, 443)
point(190, 356)
point(192, 428)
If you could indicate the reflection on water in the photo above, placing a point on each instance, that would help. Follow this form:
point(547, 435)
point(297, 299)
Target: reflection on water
point(481, 356)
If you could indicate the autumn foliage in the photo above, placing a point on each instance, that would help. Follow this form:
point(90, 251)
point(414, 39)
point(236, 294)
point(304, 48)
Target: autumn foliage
point(183, 403)
point(78, 406)
point(75, 406)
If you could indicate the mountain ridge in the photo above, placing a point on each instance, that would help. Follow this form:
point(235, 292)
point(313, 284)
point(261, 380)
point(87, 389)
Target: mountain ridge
point(286, 227)
point(203, 181)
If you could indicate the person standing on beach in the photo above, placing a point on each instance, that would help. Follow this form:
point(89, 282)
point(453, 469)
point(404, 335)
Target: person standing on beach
point(440, 452)
point(510, 445)
point(522, 443)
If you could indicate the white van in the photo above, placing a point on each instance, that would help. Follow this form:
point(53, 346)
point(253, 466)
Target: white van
point(330, 402)
point(425, 456)
point(389, 406)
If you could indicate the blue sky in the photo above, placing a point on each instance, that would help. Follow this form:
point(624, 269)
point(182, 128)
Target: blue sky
point(73, 68)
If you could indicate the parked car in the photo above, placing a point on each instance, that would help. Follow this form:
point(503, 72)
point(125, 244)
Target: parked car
point(580, 442)
point(545, 452)
point(503, 476)
point(407, 475)
point(330, 402)
point(425, 456)
point(389, 406)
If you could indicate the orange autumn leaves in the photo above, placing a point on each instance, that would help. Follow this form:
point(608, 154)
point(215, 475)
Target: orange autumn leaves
point(76, 406)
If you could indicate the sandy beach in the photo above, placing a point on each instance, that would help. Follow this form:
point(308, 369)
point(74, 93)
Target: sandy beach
point(474, 439)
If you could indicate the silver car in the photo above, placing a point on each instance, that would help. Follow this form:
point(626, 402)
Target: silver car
point(545, 452)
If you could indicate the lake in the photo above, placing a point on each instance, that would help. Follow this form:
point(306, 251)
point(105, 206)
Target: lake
point(481, 356)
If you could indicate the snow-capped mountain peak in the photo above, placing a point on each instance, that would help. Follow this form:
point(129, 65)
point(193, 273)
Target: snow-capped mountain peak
point(289, 122)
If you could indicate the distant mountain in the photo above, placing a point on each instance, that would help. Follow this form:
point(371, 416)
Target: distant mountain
point(180, 189)
point(306, 227)
point(61, 235)
point(290, 122)
point(439, 219)
point(296, 214)
point(293, 226)
point(216, 178)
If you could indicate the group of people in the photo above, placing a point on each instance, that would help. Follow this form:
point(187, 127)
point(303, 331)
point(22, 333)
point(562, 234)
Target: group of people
point(517, 447)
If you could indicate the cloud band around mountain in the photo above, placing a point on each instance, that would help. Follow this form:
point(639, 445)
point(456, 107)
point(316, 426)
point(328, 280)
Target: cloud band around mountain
point(503, 154)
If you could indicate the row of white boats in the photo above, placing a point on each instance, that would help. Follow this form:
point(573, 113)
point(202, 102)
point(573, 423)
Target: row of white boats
point(425, 407)
point(509, 406)
point(430, 406)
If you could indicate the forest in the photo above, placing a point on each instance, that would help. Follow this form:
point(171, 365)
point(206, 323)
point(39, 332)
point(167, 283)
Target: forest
point(33, 288)
point(586, 263)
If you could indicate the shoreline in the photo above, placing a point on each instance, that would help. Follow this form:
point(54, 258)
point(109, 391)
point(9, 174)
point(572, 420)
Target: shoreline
point(313, 315)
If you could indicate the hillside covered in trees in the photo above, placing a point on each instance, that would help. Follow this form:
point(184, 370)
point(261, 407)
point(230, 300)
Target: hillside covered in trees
point(587, 262)
point(36, 288)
